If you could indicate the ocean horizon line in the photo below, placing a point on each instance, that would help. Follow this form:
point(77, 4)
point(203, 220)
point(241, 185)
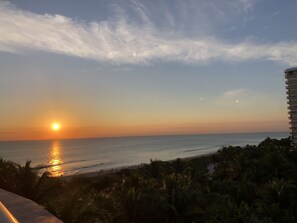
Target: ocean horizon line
point(145, 136)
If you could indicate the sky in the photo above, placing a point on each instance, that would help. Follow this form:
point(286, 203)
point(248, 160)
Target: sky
point(104, 68)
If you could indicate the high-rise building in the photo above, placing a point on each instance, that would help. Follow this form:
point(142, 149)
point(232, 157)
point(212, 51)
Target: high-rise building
point(291, 85)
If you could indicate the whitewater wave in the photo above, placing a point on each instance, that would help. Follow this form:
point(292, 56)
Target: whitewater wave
point(48, 165)
point(200, 149)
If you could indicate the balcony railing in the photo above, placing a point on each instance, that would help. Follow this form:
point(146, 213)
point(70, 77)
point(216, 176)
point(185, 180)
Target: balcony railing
point(291, 92)
point(292, 108)
point(6, 216)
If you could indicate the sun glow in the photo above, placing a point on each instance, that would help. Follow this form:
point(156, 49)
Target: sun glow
point(55, 126)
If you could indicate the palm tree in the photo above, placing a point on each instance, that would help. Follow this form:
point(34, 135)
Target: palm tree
point(155, 168)
point(35, 187)
point(8, 175)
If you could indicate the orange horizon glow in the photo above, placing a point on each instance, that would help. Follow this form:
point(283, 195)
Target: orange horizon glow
point(143, 130)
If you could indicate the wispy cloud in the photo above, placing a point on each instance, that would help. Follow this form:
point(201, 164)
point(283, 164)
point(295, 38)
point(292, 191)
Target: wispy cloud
point(122, 42)
point(273, 14)
point(236, 93)
point(122, 68)
point(242, 96)
point(247, 5)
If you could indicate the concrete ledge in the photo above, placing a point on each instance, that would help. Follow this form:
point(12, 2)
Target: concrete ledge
point(25, 210)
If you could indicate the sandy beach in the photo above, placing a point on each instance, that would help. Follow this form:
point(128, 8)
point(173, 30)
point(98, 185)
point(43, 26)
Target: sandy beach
point(133, 167)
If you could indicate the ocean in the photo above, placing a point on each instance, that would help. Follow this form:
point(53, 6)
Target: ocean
point(76, 156)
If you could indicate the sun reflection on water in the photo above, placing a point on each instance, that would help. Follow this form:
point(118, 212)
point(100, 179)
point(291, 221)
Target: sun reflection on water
point(55, 160)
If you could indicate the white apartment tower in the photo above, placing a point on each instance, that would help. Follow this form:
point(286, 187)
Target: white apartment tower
point(291, 85)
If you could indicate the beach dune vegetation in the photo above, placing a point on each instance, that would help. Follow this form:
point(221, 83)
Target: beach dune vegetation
point(246, 184)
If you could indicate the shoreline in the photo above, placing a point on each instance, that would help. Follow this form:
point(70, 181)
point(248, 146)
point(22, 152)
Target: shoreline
point(129, 167)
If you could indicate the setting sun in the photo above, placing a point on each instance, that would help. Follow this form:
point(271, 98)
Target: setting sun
point(55, 126)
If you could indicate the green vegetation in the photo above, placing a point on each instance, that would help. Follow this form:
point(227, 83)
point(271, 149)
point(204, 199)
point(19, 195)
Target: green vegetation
point(250, 184)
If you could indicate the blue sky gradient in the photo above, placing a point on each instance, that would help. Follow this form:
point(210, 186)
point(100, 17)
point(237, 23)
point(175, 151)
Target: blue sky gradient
point(108, 68)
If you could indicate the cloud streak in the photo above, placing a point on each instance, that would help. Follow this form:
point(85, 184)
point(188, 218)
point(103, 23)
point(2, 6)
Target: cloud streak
point(245, 97)
point(122, 42)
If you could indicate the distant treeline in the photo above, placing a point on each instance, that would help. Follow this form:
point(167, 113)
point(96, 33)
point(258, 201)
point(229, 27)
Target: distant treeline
point(248, 184)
